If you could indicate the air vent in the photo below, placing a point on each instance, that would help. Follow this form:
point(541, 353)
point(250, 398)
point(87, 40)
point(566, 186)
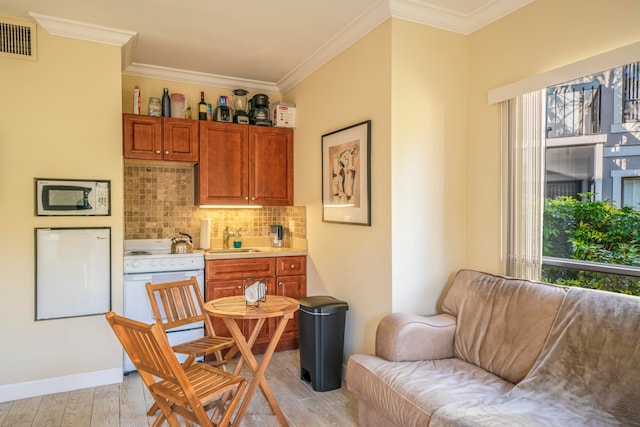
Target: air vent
point(17, 38)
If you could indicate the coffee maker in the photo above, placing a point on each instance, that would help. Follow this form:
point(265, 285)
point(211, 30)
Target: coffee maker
point(259, 110)
point(276, 236)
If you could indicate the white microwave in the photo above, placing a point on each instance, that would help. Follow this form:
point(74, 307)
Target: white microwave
point(72, 197)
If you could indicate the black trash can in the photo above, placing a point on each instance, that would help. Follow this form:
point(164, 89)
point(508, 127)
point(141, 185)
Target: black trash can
point(321, 321)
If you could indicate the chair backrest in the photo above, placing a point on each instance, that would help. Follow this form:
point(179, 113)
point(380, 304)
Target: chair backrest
point(149, 350)
point(176, 389)
point(177, 303)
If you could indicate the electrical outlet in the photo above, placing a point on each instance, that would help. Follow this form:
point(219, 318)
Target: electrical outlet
point(292, 226)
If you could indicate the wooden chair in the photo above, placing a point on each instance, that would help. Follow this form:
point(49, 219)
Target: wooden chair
point(180, 303)
point(185, 391)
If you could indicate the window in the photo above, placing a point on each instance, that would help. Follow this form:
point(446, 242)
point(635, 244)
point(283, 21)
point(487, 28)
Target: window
point(625, 83)
point(576, 219)
point(573, 109)
point(571, 170)
point(591, 227)
point(631, 85)
point(631, 192)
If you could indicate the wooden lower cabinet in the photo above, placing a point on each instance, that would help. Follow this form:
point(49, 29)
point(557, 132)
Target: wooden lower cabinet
point(228, 277)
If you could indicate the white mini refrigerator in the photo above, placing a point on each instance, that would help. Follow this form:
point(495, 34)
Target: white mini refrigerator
point(73, 272)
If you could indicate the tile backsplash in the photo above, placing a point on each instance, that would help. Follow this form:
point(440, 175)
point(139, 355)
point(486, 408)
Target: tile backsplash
point(159, 203)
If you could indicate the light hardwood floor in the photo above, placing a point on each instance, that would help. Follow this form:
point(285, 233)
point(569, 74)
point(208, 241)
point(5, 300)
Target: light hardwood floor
point(126, 404)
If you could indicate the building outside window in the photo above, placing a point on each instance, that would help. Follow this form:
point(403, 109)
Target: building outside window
point(591, 219)
point(631, 192)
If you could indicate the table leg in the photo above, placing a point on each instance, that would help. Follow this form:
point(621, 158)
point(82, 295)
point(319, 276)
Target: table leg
point(238, 337)
point(257, 369)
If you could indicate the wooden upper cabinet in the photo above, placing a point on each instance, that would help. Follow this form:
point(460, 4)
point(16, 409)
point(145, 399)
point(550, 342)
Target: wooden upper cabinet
point(180, 139)
point(242, 164)
point(159, 138)
point(142, 137)
point(223, 168)
point(271, 166)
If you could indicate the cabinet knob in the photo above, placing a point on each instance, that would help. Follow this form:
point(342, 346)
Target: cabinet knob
point(292, 266)
point(157, 151)
point(239, 287)
point(253, 198)
point(246, 198)
point(166, 152)
point(280, 283)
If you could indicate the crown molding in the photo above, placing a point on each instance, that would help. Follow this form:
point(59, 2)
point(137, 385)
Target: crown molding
point(83, 31)
point(432, 16)
point(408, 10)
point(484, 16)
point(89, 32)
point(355, 30)
point(193, 77)
point(447, 19)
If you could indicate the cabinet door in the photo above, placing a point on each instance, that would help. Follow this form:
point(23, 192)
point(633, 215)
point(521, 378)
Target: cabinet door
point(270, 166)
point(221, 289)
point(223, 165)
point(268, 327)
point(142, 137)
point(180, 139)
point(293, 287)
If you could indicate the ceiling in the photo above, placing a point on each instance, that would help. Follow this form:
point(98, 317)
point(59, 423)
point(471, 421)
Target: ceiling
point(255, 44)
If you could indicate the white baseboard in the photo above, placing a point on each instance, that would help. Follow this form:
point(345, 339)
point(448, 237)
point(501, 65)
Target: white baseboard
point(27, 389)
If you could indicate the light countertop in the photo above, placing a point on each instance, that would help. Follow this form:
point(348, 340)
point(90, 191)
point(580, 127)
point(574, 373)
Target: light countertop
point(260, 252)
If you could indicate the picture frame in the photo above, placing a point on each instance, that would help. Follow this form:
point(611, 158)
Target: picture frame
point(346, 175)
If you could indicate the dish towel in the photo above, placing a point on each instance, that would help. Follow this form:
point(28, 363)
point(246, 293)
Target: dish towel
point(255, 292)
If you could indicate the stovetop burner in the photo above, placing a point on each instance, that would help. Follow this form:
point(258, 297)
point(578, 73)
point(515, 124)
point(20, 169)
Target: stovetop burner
point(138, 253)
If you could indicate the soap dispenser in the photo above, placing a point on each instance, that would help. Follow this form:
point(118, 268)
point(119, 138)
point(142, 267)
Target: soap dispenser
point(237, 242)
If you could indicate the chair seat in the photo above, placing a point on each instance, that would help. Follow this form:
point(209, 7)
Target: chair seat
point(204, 346)
point(207, 382)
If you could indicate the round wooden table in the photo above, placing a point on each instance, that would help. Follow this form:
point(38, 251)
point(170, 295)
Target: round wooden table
point(234, 309)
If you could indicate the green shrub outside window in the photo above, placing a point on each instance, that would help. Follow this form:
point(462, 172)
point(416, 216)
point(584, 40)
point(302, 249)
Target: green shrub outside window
point(591, 230)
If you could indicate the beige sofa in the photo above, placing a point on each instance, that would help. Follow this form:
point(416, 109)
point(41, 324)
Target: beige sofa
point(505, 352)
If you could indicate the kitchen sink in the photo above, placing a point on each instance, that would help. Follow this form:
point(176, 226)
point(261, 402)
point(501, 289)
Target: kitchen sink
point(232, 250)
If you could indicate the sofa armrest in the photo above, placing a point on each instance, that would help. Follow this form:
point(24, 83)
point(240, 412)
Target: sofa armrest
point(408, 337)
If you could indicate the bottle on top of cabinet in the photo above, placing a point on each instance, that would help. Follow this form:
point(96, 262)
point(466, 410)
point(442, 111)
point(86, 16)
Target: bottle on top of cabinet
point(166, 103)
point(202, 108)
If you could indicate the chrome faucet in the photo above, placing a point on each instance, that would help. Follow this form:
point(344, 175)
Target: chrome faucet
point(226, 234)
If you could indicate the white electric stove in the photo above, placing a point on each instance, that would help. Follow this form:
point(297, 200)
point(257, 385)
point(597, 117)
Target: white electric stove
point(151, 260)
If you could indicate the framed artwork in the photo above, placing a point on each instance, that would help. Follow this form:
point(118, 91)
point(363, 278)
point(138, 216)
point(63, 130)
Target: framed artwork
point(346, 178)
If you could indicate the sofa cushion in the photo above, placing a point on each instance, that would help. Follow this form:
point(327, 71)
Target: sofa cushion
point(402, 337)
point(505, 412)
point(409, 392)
point(588, 373)
point(502, 322)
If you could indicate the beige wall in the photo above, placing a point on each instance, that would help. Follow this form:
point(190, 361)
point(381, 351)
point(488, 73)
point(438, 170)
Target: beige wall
point(428, 203)
point(410, 81)
point(540, 37)
point(349, 262)
point(60, 118)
